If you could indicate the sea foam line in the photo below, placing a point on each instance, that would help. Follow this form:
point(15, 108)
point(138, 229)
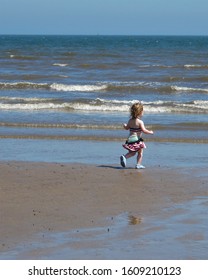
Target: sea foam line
point(23, 85)
point(195, 66)
point(85, 88)
point(25, 99)
point(60, 64)
point(177, 88)
point(104, 86)
point(53, 86)
point(108, 106)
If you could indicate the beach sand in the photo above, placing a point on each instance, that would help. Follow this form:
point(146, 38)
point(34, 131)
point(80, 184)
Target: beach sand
point(78, 211)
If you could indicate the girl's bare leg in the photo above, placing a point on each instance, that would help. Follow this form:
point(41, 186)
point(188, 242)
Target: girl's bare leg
point(123, 158)
point(130, 154)
point(139, 157)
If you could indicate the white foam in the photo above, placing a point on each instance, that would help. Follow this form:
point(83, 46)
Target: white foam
point(176, 88)
point(195, 66)
point(60, 64)
point(22, 84)
point(200, 104)
point(124, 105)
point(25, 99)
point(35, 106)
point(121, 106)
point(102, 107)
point(116, 101)
point(156, 110)
point(82, 88)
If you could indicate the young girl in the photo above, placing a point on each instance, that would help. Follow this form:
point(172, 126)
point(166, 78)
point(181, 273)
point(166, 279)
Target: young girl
point(135, 144)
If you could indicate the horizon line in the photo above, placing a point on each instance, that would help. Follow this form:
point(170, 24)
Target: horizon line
point(98, 34)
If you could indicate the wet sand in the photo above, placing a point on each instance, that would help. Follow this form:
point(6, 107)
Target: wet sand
point(77, 211)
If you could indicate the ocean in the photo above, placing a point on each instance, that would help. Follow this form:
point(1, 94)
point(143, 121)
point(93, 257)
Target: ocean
point(81, 87)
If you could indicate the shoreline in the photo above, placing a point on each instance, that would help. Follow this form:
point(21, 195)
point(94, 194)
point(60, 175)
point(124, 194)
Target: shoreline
point(42, 201)
point(102, 138)
point(157, 154)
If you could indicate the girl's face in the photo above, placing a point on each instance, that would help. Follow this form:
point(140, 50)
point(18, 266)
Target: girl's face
point(141, 114)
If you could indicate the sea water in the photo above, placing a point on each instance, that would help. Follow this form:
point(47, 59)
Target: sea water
point(81, 87)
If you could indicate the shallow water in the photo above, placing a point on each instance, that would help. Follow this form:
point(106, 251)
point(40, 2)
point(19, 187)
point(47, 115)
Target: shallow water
point(103, 153)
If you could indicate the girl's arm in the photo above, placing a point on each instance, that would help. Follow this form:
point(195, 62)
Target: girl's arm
point(143, 128)
point(126, 126)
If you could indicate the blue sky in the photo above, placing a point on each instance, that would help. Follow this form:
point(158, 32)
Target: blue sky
point(104, 17)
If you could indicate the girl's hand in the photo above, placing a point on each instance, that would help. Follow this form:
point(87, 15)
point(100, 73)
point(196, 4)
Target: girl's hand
point(124, 125)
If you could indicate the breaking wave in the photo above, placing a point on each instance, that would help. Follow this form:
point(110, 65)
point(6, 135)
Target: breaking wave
point(197, 66)
point(158, 87)
point(80, 88)
point(101, 105)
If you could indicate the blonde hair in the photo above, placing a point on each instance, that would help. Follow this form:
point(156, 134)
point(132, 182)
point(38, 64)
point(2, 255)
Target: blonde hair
point(136, 110)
